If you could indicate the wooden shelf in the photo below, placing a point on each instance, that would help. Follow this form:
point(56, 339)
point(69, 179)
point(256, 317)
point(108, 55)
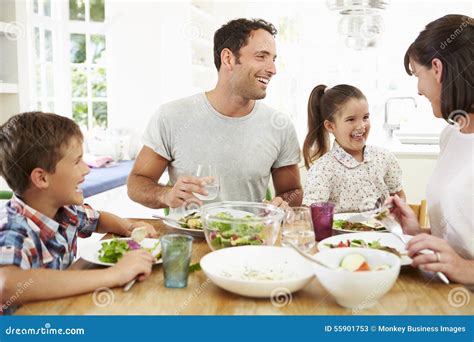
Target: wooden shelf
point(8, 88)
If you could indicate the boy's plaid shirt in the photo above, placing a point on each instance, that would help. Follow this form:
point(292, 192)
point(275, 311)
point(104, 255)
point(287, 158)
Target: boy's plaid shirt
point(29, 239)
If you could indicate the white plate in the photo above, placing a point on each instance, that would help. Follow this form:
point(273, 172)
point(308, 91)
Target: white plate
point(90, 251)
point(345, 216)
point(193, 232)
point(277, 270)
point(385, 239)
point(199, 232)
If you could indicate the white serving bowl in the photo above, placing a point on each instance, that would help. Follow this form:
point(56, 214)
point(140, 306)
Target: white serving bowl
point(357, 290)
point(229, 268)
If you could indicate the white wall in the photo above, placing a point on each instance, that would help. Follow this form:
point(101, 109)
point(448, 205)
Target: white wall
point(148, 60)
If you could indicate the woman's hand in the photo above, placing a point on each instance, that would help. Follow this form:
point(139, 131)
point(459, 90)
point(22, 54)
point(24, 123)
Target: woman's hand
point(404, 215)
point(444, 259)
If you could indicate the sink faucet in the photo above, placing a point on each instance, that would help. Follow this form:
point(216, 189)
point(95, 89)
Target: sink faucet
point(392, 127)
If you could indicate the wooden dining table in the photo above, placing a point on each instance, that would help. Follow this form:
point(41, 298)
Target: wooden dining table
point(414, 293)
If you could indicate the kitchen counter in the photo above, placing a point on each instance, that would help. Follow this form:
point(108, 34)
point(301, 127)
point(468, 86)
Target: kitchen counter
point(413, 150)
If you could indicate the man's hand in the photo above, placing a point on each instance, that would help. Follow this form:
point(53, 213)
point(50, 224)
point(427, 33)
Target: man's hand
point(182, 192)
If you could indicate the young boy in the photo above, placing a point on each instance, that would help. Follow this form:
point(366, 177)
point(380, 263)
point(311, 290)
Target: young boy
point(41, 160)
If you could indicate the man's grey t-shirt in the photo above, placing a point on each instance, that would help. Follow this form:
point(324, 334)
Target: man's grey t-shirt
point(189, 132)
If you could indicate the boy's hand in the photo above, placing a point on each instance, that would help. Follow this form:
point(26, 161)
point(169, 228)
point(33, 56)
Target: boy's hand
point(150, 231)
point(134, 264)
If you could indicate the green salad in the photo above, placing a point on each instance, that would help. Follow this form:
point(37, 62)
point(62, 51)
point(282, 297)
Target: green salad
point(112, 251)
point(357, 226)
point(364, 244)
point(236, 233)
point(191, 221)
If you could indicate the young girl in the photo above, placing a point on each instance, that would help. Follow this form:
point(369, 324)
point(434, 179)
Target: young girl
point(354, 176)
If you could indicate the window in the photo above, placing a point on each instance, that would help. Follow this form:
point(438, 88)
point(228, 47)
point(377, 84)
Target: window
point(44, 56)
point(69, 64)
point(87, 64)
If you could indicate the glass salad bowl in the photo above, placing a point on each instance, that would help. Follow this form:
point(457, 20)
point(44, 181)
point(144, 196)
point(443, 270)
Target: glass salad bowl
point(230, 224)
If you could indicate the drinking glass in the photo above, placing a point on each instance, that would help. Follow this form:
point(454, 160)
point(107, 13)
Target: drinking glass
point(322, 214)
point(298, 228)
point(209, 174)
point(176, 252)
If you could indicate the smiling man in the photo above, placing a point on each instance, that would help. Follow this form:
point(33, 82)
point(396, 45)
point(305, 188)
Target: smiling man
point(226, 127)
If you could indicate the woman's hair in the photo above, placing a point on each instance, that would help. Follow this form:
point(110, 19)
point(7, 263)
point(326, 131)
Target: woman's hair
point(451, 40)
point(323, 104)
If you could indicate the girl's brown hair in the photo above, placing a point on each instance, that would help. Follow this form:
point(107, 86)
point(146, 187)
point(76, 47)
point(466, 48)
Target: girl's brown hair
point(323, 104)
point(450, 39)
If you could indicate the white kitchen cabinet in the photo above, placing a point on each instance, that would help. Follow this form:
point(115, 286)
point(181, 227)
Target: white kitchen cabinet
point(417, 170)
point(14, 77)
point(200, 33)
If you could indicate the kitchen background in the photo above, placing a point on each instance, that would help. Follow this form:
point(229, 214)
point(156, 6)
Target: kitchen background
point(109, 64)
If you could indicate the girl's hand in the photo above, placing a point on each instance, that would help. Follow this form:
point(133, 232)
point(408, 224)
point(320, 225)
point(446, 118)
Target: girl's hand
point(150, 231)
point(444, 259)
point(278, 202)
point(404, 215)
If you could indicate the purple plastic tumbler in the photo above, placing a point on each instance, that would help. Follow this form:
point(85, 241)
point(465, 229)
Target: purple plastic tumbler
point(322, 214)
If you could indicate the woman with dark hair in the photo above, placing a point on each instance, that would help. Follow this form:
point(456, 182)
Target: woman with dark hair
point(441, 58)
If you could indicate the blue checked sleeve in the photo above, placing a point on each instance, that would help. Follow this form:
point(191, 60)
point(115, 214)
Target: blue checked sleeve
point(88, 220)
point(16, 249)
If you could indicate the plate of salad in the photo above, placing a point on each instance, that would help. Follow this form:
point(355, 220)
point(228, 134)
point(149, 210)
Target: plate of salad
point(381, 241)
point(108, 252)
point(189, 222)
point(342, 223)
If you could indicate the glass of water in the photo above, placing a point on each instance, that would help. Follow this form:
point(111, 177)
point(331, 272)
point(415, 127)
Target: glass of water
point(209, 174)
point(298, 228)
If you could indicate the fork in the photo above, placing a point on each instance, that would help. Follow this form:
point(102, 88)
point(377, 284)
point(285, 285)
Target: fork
point(395, 228)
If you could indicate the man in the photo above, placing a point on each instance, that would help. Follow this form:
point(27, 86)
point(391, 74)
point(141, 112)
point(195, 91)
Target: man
point(226, 127)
